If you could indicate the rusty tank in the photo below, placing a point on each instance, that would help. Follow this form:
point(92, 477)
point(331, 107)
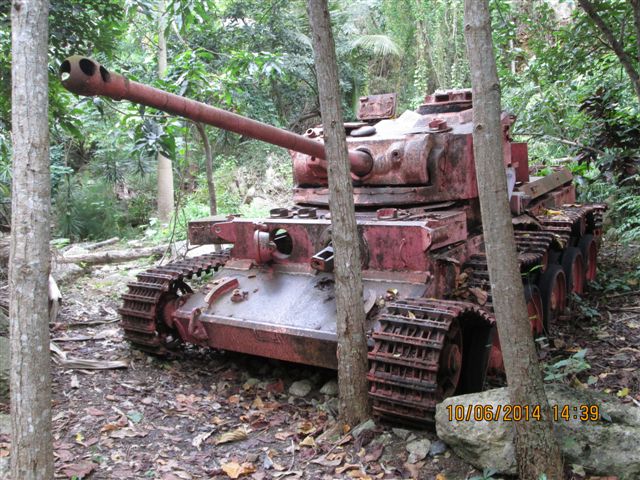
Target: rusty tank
point(430, 322)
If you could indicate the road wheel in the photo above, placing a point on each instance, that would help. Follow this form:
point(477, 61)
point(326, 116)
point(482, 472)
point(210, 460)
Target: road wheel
point(589, 249)
point(553, 290)
point(573, 266)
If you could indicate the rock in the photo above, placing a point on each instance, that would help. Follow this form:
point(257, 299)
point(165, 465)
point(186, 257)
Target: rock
point(330, 388)
point(418, 450)
point(363, 427)
point(437, 448)
point(609, 446)
point(401, 432)
point(64, 272)
point(301, 388)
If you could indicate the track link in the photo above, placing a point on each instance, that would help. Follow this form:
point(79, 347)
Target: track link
point(406, 362)
point(142, 304)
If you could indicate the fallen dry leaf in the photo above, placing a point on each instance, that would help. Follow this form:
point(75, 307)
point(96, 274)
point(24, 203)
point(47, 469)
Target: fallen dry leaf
point(232, 436)
point(128, 433)
point(94, 412)
point(235, 470)
point(308, 442)
point(348, 466)
point(306, 427)
point(375, 454)
point(79, 470)
point(330, 460)
point(358, 474)
point(413, 468)
point(200, 438)
point(283, 435)
point(257, 403)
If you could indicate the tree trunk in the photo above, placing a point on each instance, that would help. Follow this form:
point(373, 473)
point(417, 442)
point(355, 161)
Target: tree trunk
point(165, 168)
point(536, 449)
point(208, 158)
point(29, 263)
point(352, 346)
point(113, 256)
point(618, 48)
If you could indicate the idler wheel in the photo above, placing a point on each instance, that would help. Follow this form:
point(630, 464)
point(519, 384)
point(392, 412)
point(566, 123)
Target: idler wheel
point(553, 290)
point(573, 266)
point(450, 365)
point(589, 249)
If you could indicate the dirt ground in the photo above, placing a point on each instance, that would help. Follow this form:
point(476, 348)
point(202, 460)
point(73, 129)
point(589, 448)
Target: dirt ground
point(211, 414)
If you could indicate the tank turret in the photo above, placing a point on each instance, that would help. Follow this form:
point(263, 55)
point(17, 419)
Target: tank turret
point(427, 295)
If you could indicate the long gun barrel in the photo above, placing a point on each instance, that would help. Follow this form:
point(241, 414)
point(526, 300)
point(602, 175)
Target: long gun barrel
point(84, 76)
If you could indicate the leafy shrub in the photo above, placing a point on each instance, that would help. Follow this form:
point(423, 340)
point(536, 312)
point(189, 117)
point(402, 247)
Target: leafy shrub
point(88, 209)
point(573, 365)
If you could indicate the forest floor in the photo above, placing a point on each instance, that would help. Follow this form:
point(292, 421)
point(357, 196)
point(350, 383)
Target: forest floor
point(211, 414)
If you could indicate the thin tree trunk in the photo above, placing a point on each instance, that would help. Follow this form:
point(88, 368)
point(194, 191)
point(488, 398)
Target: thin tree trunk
point(352, 346)
point(427, 50)
point(208, 158)
point(165, 168)
point(635, 6)
point(536, 449)
point(618, 48)
point(29, 264)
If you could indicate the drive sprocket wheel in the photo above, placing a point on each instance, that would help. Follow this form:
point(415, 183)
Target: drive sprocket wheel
point(145, 303)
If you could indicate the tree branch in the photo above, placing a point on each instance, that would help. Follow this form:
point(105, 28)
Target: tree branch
point(614, 44)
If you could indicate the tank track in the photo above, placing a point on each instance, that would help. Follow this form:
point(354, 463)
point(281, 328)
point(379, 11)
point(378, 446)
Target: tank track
point(405, 361)
point(143, 302)
point(533, 246)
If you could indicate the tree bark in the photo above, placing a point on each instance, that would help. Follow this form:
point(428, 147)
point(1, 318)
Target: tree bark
point(29, 264)
point(352, 346)
point(208, 158)
point(618, 48)
point(165, 168)
point(536, 449)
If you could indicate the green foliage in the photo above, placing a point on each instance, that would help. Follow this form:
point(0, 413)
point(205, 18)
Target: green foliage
point(487, 474)
point(254, 57)
point(562, 369)
point(88, 209)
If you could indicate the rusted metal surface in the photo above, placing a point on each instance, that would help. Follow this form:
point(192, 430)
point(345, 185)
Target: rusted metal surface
point(377, 107)
point(446, 101)
point(539, 186)
point(284, 315)
point(84, 76)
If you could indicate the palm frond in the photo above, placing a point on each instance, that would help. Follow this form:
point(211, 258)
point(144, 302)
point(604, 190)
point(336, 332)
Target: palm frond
point(378, 45)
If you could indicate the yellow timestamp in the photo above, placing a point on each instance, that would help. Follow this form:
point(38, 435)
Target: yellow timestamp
point(520, 413)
